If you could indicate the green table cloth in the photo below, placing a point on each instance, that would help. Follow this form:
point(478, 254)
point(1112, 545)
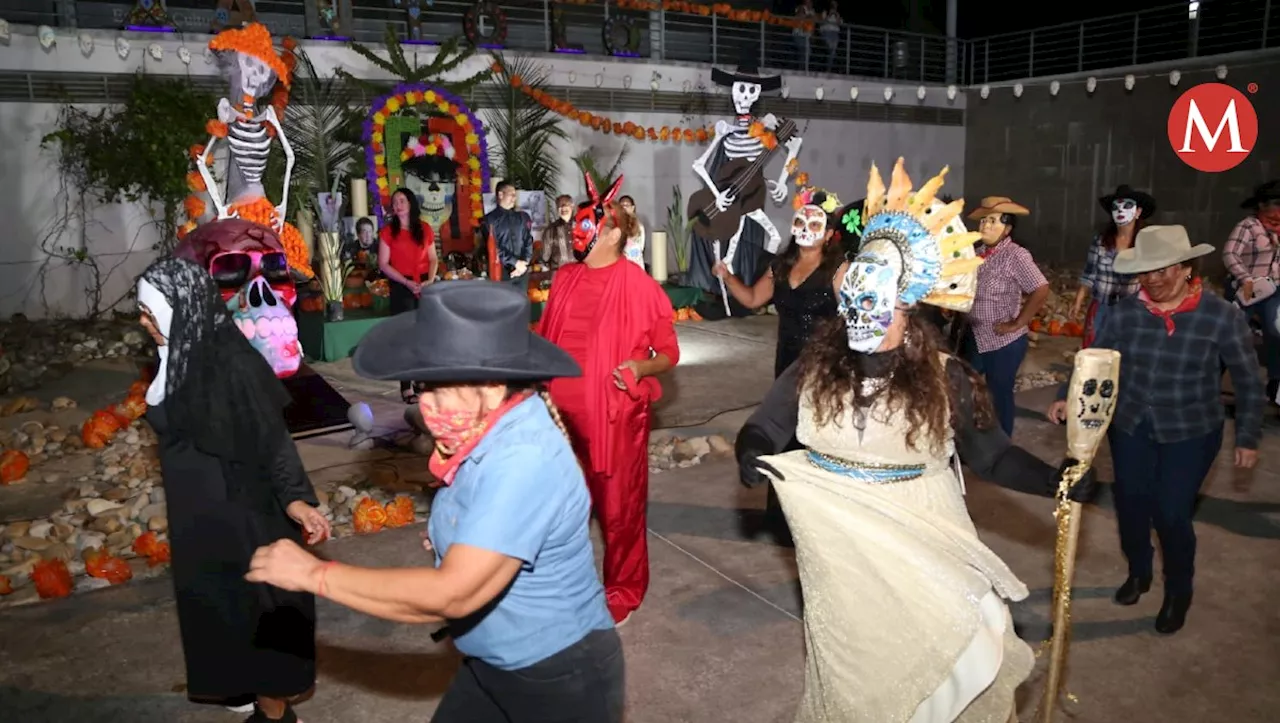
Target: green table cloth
point(682, 296)
point(329, 341)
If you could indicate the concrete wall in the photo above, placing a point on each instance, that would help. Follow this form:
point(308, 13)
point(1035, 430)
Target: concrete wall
point(1057, 155)
point(836, 154)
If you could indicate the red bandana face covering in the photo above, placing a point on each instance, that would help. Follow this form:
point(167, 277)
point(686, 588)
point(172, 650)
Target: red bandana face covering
point(590, 217)
point(459, 433)
point(1188, 303)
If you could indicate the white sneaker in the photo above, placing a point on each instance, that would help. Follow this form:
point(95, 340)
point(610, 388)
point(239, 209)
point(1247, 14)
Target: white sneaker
point(246, 708)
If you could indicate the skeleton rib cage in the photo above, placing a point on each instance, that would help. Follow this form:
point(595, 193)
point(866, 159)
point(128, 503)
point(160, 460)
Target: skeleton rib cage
point(739, 143)
point(250, 145)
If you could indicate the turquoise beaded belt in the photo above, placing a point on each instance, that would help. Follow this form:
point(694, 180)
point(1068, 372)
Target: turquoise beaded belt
point(866, 471)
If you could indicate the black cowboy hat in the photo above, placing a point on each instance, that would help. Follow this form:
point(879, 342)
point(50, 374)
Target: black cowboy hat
point(1145, 201)
point(462, 331)
point(748, 72)
point(1268, 191)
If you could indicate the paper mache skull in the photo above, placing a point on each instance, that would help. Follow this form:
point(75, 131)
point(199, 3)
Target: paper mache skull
point(248, 263)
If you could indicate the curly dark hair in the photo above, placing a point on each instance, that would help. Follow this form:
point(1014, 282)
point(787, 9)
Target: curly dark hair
point(832, 374)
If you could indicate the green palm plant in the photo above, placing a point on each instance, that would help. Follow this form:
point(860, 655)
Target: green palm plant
point(522, 132)
point(678, 229)
point(397, 64)
point(589, 165)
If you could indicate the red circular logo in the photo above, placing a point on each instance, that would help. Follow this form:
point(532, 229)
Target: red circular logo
point(1213, 127)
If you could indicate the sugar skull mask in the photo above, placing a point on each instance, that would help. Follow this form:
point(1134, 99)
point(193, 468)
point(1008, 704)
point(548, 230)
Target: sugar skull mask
point(590, 217)
point(809, 226)
point(1091, 399)
point(249, 265)
point(869, 294)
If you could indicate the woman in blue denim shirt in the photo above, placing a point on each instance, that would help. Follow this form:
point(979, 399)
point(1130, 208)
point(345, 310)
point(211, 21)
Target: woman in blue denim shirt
point(515, 574)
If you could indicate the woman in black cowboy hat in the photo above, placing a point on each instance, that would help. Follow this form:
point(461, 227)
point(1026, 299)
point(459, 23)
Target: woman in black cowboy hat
point(514, 573)
point(1253, 270)
point(1128, 210)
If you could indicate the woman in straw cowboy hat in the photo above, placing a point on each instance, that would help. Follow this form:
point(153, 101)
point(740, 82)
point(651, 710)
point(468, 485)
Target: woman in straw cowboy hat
point(1168, 422)
point(514, 570)
point(1128, 211)
point(1010, 292)
point(905, 618)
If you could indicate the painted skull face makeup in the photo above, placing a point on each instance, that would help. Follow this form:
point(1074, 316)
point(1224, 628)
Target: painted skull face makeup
point(809, 226)
point(869, 293)
point(1124, 211)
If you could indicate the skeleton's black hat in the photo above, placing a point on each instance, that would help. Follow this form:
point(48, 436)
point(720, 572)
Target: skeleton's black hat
point(748, 72)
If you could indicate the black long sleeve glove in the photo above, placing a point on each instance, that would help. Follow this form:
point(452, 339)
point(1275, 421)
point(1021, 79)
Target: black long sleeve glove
point(749, 447)
point(1082, 491)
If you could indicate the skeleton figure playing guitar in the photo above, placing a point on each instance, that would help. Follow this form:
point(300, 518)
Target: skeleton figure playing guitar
point(736, 188)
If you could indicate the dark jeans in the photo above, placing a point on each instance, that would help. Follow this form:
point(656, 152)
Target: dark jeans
point(1000, 367)
point(401, 300)
point(584, 683)
point(1267, 315)
point(1158, 483)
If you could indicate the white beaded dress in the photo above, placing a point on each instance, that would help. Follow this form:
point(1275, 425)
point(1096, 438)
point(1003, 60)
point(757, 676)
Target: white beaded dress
point(904, 612)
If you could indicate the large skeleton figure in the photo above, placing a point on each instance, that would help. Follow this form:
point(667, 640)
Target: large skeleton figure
point(252, 65)
point(733, 145)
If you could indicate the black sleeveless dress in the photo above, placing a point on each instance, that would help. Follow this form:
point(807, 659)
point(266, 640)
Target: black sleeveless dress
point(800, 310)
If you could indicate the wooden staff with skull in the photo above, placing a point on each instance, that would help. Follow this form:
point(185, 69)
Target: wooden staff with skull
point(1091, 400)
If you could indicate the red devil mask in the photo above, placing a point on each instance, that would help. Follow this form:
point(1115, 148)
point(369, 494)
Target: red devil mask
point(586, 225)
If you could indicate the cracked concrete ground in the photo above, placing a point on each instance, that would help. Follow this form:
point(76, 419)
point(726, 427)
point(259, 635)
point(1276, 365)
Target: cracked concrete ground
point(719, 637)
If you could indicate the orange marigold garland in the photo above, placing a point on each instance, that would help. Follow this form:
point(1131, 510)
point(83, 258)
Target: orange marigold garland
point(261, 211)
point(399, 512)
point(6, 586)
point(148, 545)
point(672, 134)
point(52, 579)
point(724, 10)
point(368, 516)
point(98, 563)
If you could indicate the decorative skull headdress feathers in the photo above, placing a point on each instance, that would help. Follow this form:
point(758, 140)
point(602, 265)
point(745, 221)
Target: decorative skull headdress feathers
point(911, 252)
point(590, 216)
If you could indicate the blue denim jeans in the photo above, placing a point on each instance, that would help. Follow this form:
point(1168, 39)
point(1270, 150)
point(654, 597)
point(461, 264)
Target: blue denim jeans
point(1000, 367)
point(1157, 485)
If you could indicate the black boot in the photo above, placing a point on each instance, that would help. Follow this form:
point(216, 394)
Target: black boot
point(1173, 613)
point(1131, 591)
point(260, 717)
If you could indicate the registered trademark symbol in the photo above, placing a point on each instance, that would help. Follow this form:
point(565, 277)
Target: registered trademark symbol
point(1252, 88)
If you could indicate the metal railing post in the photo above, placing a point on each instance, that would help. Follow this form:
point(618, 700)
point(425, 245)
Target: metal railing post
point(658, 46)
point(848, 51)
point(986, 60)
point(1031, 55)
point(67, 13)
point(886, 54)
point(762, 44)
point(1136, 18)
point(546, 25)
point(1080, 51)
point(922, 58)
point(1266, 21)
point(715, 40)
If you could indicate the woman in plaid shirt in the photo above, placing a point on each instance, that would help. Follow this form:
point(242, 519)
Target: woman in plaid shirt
point(1252, 262)
point(1010, 291)
point(1129, 210)
point(1168, 422)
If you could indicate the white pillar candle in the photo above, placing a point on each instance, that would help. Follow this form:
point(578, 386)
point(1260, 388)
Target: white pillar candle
point(359, 198)
point(307, 232)
point(658, 256)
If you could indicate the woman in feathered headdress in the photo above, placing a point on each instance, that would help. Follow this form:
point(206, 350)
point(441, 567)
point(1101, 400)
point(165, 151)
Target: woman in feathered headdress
point(904, 606)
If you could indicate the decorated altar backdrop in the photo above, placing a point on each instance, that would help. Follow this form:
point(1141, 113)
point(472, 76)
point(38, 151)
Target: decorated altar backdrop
point(421, 121)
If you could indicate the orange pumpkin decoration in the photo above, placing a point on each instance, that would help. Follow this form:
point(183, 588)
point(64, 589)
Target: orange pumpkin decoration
point(368, 517)
point(6, 587)
point(1055, 328)
point(694, 315)
point(1035, 325)
point(400, 512)
point(99, 429)
point(13, 466)
point(52, 579)
point(108, 567)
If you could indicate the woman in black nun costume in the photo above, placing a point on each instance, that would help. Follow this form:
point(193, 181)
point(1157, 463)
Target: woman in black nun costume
point(233, 482)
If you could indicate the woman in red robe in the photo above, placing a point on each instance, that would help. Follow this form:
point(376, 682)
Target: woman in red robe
point(616, 323)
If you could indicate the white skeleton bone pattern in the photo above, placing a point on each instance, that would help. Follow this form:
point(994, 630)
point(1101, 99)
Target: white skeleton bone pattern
point(736, 140)
point(248, 140)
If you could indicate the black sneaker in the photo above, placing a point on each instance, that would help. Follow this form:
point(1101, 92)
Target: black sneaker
point(260, 717)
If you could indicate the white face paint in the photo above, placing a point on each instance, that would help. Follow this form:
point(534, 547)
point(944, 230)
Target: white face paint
point(1124, 211)
point(809, 226)
point(745, 95)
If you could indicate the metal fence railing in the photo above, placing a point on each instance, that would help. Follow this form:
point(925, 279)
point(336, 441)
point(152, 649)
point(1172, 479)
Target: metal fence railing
point(1185, 30)
point(1171, 32)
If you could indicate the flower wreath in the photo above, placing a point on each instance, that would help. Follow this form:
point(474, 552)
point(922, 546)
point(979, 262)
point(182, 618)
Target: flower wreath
point(471, 29)
point(614, 29)
point(434, 144)
point(473, 177)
